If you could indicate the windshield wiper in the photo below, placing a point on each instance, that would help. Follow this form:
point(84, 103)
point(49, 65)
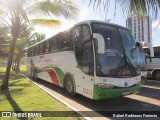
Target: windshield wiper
point(131, 66)
point(124, 66)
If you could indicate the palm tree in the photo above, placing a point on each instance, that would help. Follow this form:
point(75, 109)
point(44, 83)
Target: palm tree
point(4, 34)
point(4, 39)
point(39, 37)
point(138, 7)
point(15, 13)
point(26, 36)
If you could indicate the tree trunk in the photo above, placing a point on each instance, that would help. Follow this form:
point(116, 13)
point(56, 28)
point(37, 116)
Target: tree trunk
point(18, 63)
point(15, 33)
point(4, 85)
point(13, 65)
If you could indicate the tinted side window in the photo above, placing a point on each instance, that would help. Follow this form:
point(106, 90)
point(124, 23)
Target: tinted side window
point(62, 41)
point(46, 47)
point(65, 41)
point(37, 49)
point(86, 32)
point(76, 36)
point(56, 43)
point(87, 59)
point(80, 34)
point(157, 51)
point(32, 52)
point(52, 45)
point(28, 52)
point(41, 48)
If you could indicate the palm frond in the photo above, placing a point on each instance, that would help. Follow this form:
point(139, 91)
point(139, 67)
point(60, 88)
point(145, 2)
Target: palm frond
point(46, 22)
point(39, 36)
point(101, 5)
point(4, 32)
point(138, 7)
point(1, 12)
point(24, 16)
point(57, 8)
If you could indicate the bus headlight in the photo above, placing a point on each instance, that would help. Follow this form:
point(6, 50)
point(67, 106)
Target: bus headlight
point(103, 85)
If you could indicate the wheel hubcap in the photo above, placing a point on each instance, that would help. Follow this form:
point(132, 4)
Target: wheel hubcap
point(35, 75)
point(158, 75)
point(69, 86)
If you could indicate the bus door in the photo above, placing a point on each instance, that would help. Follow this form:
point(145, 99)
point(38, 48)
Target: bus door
point(85, 63)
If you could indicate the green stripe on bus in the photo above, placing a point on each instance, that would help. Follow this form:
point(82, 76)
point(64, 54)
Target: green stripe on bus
point(58, 71)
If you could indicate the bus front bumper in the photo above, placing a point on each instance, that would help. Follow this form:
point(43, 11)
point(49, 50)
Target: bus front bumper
point(104, 93)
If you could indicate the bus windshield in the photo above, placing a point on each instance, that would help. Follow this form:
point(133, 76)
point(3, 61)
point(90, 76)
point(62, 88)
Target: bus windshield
point(118, 60)
point(142, 58)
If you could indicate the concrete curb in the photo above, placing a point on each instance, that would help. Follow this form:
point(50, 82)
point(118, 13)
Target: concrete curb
point(74, 109)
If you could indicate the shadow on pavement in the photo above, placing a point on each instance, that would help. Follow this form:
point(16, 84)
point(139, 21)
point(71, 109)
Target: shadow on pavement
point(150, 92)
point(114, 104)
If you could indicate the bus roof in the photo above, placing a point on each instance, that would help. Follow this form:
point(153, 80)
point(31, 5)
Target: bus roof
point(98, 21)
point(83, 22)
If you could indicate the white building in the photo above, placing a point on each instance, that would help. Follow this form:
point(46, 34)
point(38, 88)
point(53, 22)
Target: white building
point(141, 28)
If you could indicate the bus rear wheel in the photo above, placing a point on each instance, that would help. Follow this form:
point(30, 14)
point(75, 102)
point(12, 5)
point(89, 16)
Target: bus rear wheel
point(69, 86)
point(34, 75)
point(156, 75)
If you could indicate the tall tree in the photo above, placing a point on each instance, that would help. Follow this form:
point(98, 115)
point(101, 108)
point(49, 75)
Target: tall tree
point(4, 33)
point(15, 13)
point(4, 39)
point(27, 38)
point(39, 36)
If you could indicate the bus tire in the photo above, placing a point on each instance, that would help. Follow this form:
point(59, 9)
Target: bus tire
point(35, 75)
point(69, 86)
point(32, 74)
point(156, 75)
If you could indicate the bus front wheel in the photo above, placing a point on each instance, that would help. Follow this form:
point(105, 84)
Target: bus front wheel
point(156, 75)
point(69, 86)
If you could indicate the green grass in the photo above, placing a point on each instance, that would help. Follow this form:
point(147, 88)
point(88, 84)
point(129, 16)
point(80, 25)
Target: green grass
point(3, 69)
point(23, 95)
point(22, 69)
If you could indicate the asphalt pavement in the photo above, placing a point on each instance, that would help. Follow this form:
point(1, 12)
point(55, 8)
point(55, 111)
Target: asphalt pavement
point(147, 100)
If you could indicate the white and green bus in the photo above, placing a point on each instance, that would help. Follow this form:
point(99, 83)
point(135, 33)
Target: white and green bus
point(96, 59)
point(152, 61)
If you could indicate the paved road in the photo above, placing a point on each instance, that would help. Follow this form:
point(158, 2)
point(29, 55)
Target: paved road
point(147, 100)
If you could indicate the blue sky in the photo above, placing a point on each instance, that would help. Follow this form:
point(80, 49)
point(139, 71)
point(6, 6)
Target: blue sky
point(87, 13)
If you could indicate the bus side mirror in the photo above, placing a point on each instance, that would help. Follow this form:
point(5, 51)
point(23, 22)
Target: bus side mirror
point(135, 46)
point(138, 44)
point(100, 41)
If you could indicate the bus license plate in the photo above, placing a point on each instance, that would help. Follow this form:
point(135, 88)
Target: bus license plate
point(125, 93)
